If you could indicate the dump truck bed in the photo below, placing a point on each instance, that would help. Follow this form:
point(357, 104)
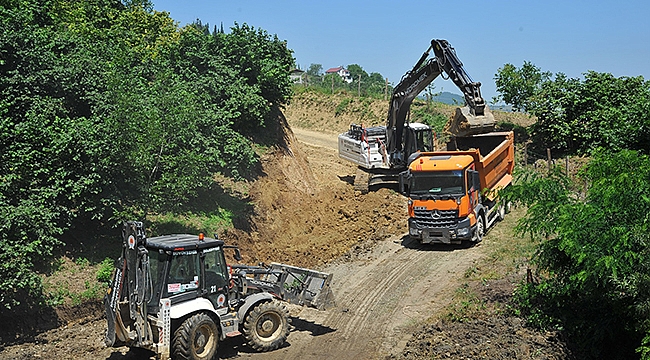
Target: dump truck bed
point(494, 156)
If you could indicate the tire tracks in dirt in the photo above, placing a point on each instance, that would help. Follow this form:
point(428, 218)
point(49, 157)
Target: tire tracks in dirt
point(381, 298)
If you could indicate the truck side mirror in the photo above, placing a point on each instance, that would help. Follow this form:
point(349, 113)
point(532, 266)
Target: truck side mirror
point(237, 254)
point(475, 180)
point(404, 178)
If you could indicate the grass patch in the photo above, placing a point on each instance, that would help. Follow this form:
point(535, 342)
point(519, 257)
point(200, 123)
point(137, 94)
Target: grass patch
point(76, 281)
point(505, 263)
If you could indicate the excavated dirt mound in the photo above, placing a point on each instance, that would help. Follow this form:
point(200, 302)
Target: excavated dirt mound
point(306, 213)
point(491, 334)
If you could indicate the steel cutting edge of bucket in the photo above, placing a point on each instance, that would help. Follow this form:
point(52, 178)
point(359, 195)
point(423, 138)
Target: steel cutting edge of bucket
point(464, 123)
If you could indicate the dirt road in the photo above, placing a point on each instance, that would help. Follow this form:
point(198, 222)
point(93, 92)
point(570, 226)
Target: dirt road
point(380, 299)
point(315, 138)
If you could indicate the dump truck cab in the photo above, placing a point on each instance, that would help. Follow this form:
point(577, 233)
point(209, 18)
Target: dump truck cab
point(442, 196)
point(453, 194)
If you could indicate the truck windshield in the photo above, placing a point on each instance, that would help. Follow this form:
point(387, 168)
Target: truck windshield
point(437, 183)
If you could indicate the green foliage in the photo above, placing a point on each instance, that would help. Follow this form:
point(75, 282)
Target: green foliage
point(372, 85)
point(105, 271)
point(594, 261)
point(315, 71)
point(340, 108)
point(577, 116)
point(109, 109)
point(518, 86)
point(430, 115)
point(602, 110)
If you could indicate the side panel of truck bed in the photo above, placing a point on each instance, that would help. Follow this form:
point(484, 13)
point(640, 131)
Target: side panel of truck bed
point(496, 155)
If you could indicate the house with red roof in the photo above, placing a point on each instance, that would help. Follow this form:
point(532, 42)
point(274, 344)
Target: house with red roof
point(343, 73)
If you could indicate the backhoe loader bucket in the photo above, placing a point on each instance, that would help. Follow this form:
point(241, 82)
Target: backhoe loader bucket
point(464, 123)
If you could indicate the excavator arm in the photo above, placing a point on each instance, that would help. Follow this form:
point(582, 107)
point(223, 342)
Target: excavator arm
point(474, 118)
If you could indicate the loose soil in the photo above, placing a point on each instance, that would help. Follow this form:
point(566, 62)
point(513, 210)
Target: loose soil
point(387, 288)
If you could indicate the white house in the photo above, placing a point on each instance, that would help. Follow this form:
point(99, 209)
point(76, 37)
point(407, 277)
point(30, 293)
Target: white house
point(297, 76)
point(343, 73)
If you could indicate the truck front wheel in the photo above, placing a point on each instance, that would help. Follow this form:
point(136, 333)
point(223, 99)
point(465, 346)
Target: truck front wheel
point(477, 237)
point(266, 327)
point(196, 339)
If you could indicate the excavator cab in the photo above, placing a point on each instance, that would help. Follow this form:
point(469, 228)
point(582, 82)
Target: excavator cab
point(418, 137)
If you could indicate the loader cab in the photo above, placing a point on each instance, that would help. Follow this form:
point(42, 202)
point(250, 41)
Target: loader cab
point(185, 267)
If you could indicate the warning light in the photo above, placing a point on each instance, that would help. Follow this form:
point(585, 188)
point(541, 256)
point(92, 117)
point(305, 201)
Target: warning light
point(201, 236)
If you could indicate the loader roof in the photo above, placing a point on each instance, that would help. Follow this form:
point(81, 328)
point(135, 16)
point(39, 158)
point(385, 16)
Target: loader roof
point(181, 242)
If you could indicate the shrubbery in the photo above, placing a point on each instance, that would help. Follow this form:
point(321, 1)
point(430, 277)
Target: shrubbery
point(108, 109)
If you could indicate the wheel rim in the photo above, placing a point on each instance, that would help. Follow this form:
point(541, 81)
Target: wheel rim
point(268, 325)
point(478, 234)
point(203, 340)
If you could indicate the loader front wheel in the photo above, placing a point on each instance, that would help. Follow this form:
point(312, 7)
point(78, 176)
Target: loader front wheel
point(196, 339)
point(266, 326)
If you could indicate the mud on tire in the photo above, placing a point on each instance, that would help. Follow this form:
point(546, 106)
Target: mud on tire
point(266, 326)
point(196, 339)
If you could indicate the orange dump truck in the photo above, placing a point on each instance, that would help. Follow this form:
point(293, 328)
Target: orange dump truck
point(452, 195)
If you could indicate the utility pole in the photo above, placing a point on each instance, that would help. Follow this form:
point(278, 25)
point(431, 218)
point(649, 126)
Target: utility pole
point(386, 89)
point(359, 87)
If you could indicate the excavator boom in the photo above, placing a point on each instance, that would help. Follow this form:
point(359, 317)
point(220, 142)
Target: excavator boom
point(474, 118)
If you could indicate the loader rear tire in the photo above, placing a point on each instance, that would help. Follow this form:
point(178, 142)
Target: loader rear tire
point(196, 339)
point(266, 326)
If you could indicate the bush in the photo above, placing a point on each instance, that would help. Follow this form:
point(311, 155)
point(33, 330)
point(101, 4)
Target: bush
point(105, 271)
point(593, 261)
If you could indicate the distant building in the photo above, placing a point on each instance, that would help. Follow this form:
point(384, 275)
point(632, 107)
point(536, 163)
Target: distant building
point(297, 76)
point(343, 73)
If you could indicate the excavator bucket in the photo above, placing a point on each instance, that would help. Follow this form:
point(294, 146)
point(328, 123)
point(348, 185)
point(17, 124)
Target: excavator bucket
point(464, 123)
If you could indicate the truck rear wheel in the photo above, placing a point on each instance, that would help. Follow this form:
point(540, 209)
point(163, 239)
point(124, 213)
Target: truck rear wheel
point(501, 212)
point(196, 339)
point(266, 327)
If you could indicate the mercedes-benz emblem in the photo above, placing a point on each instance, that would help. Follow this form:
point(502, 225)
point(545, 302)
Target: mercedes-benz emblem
point(435, 214)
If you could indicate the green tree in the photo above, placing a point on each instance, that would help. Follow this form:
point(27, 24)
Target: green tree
point(577, 116)
point(108, 109)
point(593, 262)
point(315, 72)
point(518, 87)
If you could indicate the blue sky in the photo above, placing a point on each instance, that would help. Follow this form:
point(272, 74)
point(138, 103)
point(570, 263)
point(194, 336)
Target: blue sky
point(388, 37)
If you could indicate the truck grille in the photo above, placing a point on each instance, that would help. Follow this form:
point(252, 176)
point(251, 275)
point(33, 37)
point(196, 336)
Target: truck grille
point(436, 218)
